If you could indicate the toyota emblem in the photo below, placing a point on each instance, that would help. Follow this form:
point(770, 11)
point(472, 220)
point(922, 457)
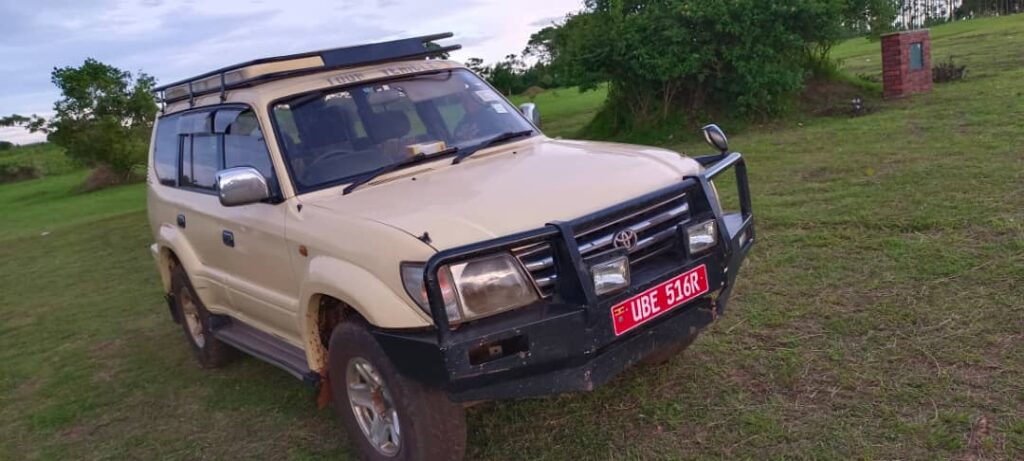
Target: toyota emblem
point(625, 239)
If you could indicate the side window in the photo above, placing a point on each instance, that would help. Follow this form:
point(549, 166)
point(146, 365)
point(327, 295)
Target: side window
point(211, 141)
point(165, 150)
point(201, 160)
point(200, 150)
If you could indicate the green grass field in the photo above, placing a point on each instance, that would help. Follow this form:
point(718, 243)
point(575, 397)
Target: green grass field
point(881, 315)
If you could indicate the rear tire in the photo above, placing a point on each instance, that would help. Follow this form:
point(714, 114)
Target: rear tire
point(210, 352)
point(388, 416)
point(663, 355)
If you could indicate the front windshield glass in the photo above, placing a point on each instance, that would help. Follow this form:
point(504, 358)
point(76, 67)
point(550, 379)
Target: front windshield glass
point(336, 135)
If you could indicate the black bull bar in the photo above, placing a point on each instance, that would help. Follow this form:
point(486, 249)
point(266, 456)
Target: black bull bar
point(569, 345)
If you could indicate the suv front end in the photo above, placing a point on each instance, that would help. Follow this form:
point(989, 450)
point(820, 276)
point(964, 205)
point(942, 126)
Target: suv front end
point(592, 316)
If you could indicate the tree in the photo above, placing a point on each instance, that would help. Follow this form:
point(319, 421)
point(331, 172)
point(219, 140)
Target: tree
point(666, 57)
point(104, 116)
point(32, 123)
point(873, 17)
point(542, 45)
point(477, 65)
point(6, 145)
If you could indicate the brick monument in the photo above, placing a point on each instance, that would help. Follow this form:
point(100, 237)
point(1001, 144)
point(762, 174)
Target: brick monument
point(906, 63)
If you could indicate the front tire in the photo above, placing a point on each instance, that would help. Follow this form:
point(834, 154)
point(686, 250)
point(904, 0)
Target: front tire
point(210, 352)
point(388, 416)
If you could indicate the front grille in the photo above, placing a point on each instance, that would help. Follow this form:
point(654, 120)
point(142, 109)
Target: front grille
point(656, 233)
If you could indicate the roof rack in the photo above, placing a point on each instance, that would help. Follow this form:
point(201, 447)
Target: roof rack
point(268, 69)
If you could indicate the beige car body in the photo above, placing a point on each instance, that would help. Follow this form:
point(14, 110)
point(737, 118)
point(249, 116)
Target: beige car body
point(352, 245)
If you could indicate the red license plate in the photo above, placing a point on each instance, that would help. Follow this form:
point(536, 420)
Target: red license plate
point(656, 301)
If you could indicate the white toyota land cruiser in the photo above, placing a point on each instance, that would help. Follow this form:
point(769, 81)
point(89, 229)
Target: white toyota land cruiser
point(388, 228)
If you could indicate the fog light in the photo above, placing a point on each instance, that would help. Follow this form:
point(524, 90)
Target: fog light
point(611, 275)
point(702, 236)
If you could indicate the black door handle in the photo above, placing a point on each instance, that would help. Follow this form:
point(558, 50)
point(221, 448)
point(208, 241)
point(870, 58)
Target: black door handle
point(229, 238)
point(181, 221)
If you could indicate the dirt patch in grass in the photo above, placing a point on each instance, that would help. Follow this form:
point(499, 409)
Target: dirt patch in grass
point(834, 98)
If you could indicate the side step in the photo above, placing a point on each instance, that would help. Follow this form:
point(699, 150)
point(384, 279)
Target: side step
point(265, 347)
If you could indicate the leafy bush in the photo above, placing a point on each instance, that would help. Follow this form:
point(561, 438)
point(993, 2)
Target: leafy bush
point(15, 173)
point(948, 71)
point(33, 161)
point(665, 57)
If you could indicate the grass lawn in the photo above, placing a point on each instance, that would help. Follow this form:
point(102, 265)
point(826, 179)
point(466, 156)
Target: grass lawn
point(881, 315)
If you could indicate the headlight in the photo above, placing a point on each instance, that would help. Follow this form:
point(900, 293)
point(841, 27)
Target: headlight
point(412, 278)
point(475, 288)
point(611, 275)
point(702, 236)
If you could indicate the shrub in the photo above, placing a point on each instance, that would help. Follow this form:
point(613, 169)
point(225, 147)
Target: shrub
point(15, 173)
point(948, 71)
point(665, 57)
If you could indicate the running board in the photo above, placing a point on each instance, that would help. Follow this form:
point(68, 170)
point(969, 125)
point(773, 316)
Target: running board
point(265, 347)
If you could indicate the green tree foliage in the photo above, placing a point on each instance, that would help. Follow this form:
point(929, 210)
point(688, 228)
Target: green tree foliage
point(663, 57)
point(869, 17)
point(6, 145)
point(104, 116)
point(971, 8)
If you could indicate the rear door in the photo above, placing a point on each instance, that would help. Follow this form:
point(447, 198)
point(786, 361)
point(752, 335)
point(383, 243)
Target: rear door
point(183, 204)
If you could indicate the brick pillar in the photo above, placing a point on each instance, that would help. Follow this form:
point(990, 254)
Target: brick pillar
point(900, 77)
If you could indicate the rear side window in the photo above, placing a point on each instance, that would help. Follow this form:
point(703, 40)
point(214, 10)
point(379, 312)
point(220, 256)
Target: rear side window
point(165, 151)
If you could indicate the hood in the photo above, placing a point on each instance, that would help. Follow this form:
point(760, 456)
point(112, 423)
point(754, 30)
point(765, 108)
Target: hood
point(511, 188)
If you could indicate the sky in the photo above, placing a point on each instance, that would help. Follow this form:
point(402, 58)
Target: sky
point(172, 40)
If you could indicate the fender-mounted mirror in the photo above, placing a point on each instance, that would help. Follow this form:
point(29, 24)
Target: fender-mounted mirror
point(716, 138)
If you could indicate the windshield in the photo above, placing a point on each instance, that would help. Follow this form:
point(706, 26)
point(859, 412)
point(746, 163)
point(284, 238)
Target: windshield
point(335, 136)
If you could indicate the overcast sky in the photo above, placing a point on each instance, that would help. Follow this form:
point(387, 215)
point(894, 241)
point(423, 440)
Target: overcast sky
point(173, 39)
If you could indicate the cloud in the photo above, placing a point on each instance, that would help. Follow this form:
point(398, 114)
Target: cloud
point(174, 39)
point(20, 136)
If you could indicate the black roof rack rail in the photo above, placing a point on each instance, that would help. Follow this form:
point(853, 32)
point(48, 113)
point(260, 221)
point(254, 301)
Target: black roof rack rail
point(335, 58)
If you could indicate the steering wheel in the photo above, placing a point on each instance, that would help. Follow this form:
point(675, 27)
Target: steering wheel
point(311, 166)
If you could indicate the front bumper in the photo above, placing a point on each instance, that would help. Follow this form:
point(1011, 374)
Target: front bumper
point(567, 343)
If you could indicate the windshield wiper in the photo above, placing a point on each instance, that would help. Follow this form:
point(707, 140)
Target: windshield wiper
point(490, 142)
point(410, 161)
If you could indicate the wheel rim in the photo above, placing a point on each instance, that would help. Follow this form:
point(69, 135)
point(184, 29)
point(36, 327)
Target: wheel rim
point(373, 407)
point(193, 323)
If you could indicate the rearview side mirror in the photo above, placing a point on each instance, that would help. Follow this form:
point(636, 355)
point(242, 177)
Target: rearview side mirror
point(241, 186)
point(716, 138)
point(531, 112)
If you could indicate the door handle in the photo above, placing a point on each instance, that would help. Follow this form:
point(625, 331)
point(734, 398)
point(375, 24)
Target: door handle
point(181, 221)
point(229, 238)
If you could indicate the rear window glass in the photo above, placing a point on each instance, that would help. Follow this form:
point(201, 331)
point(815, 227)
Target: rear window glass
point(165, 151)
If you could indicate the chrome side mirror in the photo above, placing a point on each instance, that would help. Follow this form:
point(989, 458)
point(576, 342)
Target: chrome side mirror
point(241, 186)
point(531, 112)
point(716, 138)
